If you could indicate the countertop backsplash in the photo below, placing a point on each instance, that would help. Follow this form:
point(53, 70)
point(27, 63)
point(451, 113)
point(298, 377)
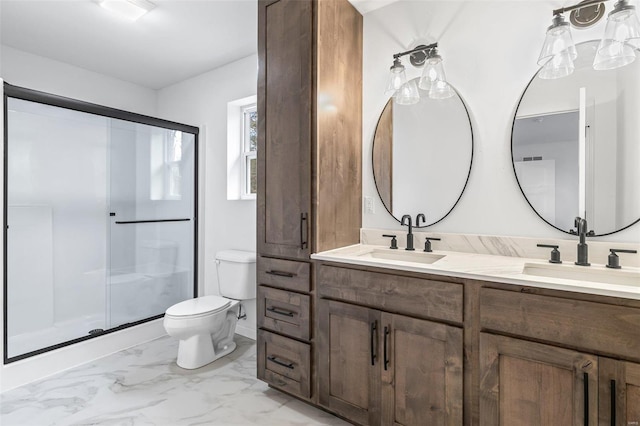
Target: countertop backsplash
point(506, 246)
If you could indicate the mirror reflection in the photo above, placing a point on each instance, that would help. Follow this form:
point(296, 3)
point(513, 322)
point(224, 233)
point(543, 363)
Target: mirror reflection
point(575, 146)
point(422, 156)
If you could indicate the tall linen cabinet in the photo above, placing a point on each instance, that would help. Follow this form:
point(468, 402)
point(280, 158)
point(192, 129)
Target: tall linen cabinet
point(309, 171)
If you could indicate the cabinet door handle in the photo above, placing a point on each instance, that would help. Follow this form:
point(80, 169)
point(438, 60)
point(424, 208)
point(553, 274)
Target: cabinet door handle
point(281, 273)
point(280, 311)
point(374, 327)
point(303, 231)
point(613, 403)
point(281, 363)
point(386, 357)
point(585, 378)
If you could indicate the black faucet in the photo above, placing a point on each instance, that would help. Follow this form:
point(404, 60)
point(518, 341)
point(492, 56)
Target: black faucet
point(407, 218)
point(583, 249)
point(420, 216)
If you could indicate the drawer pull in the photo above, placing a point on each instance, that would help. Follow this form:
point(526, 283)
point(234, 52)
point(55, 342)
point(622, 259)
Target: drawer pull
point(281, 274)
point(585, 378)
point(386, 356)
point(374, 326)
point(613, 403)
point(280, 311)
point(281, 363)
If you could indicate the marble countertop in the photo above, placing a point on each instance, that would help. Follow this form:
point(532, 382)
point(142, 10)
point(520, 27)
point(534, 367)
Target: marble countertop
point(595, 279)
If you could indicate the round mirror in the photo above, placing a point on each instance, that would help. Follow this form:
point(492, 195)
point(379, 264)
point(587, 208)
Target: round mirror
point(575, 146)
point(422, 156)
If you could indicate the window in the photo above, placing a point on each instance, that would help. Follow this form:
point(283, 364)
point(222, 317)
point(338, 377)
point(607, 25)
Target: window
point(242, 149)
point(249, 151)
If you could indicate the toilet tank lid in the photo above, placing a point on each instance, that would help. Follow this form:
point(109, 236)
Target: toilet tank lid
point(199, 305)
point(239, 256)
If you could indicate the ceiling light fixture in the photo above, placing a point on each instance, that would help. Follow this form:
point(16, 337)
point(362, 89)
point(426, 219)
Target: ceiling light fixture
point(432, 80)
point(617, 48)
point(128, 9)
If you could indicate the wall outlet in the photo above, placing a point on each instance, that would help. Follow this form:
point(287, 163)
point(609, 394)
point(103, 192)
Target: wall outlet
point(369, 206)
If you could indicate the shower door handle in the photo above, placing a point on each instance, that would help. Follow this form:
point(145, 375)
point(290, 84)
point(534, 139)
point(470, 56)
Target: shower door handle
point(126, 222)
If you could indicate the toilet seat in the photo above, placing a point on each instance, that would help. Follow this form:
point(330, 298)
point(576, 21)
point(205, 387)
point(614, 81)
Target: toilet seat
point(198, 307)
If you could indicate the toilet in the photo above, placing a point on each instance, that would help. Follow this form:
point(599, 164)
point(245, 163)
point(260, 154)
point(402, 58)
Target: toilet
point(205, 325)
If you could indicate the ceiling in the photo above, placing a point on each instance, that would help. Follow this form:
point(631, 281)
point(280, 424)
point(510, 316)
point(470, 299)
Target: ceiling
point(177, 40)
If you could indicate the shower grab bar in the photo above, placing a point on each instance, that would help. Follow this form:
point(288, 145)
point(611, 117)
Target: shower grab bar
point(125, 222)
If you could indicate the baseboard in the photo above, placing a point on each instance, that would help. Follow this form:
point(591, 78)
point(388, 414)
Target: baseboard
point(246, 331)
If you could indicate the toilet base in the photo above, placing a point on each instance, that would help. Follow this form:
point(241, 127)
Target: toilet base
point(197, 351)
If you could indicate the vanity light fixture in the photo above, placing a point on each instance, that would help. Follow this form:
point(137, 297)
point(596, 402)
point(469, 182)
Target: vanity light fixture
point(128, 9)
point(617, 48)
point(432, 80)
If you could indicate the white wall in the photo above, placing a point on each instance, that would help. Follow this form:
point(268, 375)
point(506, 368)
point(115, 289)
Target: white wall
point(490, 51)
point(228, 224)
point(39, 73)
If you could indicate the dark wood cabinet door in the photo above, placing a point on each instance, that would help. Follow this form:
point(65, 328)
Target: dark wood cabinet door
point(349, 344)
point(525, 384)
point(285, 87)
point(422, 384)
point(619, 395)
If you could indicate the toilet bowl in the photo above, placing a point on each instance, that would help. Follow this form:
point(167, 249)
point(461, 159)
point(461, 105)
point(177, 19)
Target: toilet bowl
point(205, 326)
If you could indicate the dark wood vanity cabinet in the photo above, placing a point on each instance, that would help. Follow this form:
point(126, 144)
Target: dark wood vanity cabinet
point(527, 383)
point(384, 368)
point(309, 170)
point(619, 393)
point(574, 371)
point(285, 127)
point(309, 126)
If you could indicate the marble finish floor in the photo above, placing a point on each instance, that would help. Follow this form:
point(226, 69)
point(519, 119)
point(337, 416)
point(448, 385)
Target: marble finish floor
point(144, 386)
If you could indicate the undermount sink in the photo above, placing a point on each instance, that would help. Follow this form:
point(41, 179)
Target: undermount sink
point(598, 274)
point(402, 255)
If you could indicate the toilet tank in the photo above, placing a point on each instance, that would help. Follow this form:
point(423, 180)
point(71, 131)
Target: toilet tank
point(237, 274)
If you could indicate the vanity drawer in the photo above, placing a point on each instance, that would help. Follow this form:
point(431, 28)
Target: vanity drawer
point(284, 311)
point(419, 297)
point(284, 363)
point(599, 327)
point(287, 274)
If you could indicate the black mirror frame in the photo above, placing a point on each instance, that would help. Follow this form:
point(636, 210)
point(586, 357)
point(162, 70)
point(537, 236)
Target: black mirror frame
point(513, 164)
point(464, 104)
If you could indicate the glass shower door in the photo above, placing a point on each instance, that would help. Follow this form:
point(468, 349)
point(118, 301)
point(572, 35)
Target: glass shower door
point(56, 244)
point(152, 221)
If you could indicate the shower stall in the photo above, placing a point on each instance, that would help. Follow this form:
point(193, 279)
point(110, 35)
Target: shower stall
point(100, 220)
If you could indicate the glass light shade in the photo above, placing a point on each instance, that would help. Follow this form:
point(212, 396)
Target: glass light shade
point(613, 54)
point(433, 71)
point(441, 90)
point(560, 65)
point(407, 94)
point(558, 40)
point(397, 77)
point(433, 78)
point(621, 37)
